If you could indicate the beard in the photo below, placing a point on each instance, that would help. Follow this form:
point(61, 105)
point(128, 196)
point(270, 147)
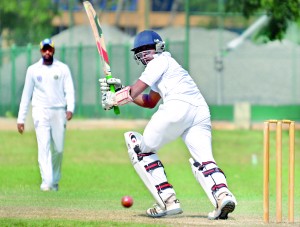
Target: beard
point(48, 60)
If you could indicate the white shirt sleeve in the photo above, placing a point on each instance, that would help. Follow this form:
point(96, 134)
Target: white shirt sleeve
point(69, 90)
point(26, 96)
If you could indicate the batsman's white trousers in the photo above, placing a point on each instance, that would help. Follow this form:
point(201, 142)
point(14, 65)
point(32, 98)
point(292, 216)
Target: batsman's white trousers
point(50, 126)
point(176, 119)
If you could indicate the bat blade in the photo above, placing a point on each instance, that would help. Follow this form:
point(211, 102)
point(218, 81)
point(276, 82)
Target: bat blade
point(100, 43)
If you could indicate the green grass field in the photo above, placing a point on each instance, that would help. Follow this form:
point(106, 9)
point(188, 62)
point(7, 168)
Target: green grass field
point(96, 173)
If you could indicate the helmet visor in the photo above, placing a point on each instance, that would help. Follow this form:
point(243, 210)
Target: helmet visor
point(144, 56)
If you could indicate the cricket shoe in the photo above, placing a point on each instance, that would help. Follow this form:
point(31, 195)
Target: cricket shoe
point(226, 204)
point(46, 188)
point(172, 208)
point(54, 187)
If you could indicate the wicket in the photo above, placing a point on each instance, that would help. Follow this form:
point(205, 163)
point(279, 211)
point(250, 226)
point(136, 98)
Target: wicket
point(291, 125)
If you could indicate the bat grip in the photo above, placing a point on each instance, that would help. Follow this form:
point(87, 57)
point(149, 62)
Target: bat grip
point(112, 89)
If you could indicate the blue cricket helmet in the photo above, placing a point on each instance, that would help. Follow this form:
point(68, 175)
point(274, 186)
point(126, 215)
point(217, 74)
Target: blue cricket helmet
point(148, 38)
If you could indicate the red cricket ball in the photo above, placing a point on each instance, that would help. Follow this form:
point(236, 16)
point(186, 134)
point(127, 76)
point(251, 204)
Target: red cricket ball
point(127, 201)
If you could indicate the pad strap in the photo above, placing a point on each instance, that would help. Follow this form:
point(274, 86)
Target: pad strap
point(210, 171)
point(153, 165)
point(140, 156)
point(216, 187)
point(163, 186)
point(123, 96)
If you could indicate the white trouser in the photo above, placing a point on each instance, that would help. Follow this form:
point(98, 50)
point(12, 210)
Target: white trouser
point(180, 119)
point(176, 119)
point(50, 125)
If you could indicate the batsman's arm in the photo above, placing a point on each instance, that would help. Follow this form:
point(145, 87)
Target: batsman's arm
point(149, 100)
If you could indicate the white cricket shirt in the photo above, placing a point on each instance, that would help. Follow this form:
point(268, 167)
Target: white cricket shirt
point(47, 86)
point(165, 76)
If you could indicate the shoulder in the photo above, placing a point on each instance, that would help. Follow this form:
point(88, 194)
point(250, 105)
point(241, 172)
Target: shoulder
point(160, 60)
point(60, 64)
point(164, 55)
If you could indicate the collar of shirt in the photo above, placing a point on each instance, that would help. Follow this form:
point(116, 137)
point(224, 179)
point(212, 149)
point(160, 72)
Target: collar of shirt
point(165, 53)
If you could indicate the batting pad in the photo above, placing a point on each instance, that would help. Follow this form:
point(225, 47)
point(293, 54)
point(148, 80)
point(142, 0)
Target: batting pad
point(149, 169)
point(211, 178)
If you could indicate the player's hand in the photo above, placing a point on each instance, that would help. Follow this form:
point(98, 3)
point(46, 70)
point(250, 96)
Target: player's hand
point(21, 128)
point(69, 115)
point(108, 100)
point(105, 83)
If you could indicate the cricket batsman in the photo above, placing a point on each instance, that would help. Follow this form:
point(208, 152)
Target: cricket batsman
point(183, 113)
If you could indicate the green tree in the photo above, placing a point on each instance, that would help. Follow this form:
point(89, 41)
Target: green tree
point(281, 13)
point(26, 21)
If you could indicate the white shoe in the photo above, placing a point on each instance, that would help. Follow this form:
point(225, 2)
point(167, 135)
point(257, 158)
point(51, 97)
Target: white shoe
point(226, 204)
point(45, 189)
point(173, 208)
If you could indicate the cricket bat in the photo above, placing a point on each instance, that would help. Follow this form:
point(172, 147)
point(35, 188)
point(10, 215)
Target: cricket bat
point(96, 27)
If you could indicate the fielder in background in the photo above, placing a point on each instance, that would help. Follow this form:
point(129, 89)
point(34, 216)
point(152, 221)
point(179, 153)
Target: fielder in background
point(184, 113)
point(49, 87)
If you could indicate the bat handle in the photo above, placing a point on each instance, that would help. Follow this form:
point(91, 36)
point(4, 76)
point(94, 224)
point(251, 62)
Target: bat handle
point(112, 89)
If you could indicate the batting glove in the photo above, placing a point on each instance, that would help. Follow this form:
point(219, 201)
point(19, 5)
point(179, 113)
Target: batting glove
point(105, 83)
point(108, 100)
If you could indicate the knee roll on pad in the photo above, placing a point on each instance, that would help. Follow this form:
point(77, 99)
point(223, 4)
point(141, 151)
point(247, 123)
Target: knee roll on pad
point(149, 168)
point(211, 178)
